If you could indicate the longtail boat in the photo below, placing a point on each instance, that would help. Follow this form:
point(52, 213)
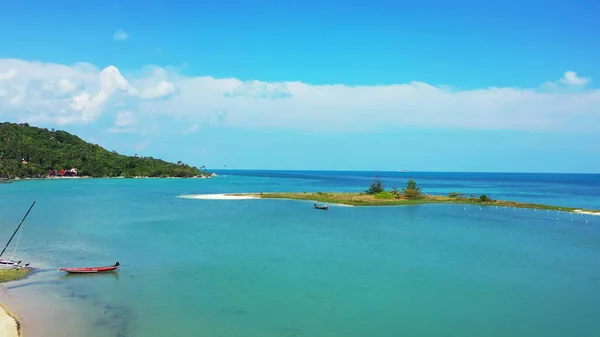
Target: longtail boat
point(90, 269)
point(323, 207)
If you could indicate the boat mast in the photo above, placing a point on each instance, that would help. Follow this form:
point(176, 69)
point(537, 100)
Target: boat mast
point(8, 243)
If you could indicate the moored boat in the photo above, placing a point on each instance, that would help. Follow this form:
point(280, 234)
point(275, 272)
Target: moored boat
point(324, 207)
point(10, 263)
point(87, 270)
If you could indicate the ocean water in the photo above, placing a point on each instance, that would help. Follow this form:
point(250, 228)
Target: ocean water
point(250, 268)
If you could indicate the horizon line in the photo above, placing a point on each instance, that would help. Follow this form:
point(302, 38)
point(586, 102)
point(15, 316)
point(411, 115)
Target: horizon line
point(396, 171)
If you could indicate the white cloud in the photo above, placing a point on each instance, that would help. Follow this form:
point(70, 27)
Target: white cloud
point(80, 102)
point(124, 122)
point(571, 78)
point(63, 94)
point(124, 118)
point(65, 86)
point(161, 90)
point(89, 108)
point(52, 93)
point(10, 73)
point(258, 89)
point(120, 35)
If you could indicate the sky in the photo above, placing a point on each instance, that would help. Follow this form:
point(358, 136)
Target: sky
point(485, 86)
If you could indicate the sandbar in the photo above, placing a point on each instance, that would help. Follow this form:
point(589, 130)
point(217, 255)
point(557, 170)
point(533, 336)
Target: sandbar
point(219, 196)
point(9, 325)
point(586, 212)
point(388, 199)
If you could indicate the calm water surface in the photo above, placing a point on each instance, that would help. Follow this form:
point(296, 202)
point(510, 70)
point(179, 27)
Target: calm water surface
point(280, 268)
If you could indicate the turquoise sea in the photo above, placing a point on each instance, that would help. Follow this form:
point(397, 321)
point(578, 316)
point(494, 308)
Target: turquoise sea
point(279, 268)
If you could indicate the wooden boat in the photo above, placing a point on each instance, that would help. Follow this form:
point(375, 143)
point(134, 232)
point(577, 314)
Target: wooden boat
point(90, 269)
point(323, 207)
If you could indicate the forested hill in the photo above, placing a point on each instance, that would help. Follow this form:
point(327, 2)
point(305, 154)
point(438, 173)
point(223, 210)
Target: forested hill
point(27, 151)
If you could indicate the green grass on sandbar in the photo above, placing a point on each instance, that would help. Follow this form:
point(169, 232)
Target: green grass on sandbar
point(13, 274)
point(363, 199)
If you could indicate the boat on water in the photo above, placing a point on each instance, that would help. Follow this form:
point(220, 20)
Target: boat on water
point(323, 207)
point(10, 263)
point(89, 270)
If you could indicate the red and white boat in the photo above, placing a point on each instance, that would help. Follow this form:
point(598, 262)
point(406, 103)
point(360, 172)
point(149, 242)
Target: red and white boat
point(90, 269)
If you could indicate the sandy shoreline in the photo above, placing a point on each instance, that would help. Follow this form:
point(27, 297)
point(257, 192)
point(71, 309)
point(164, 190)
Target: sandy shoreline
point(9, 324)
point(242, 196)
point(120, 177)
point(220, 196)
point(586, 212)
point(39, 309)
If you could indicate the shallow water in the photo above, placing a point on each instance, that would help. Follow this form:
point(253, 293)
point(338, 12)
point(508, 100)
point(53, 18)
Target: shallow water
point(280, 268)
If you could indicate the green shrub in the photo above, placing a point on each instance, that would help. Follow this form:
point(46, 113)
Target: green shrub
point(412, 194)
point(376, 187)
point(384, 195)
point(485, 198)
point(412, 191)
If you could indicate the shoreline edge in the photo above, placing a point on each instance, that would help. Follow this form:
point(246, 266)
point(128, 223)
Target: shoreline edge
point(9, 323)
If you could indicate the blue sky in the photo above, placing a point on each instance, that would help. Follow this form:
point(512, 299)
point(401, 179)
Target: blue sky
point(429, 85)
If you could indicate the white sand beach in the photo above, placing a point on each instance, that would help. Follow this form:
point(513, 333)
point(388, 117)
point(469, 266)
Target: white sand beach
point(243, 196)
point(218, 196)
point(8, 324)
point(586, 212)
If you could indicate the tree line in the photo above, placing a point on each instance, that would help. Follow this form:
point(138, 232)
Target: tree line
point(413, 192)
point(27, 151)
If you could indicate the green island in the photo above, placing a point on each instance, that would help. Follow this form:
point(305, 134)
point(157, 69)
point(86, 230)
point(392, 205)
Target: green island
point(13, 274)
point(376, 195)
point(31, 152)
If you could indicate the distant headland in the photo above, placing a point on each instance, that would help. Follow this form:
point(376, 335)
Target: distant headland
point(28, 152)
point(376, 195)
